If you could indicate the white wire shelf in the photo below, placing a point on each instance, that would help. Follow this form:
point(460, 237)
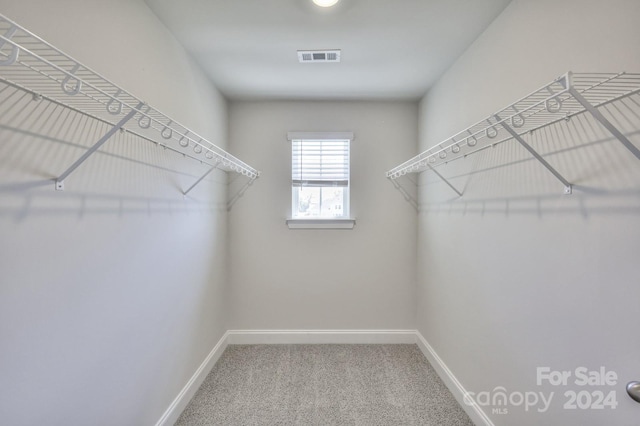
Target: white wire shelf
point(563, 98)
point(30, 64)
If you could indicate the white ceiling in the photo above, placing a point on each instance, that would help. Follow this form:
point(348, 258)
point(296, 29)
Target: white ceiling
point(391, 49)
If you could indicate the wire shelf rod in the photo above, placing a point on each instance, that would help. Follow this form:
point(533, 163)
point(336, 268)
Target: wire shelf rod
point(481, 128)
point(102, 120)
point(549, 104)
point(530, 131)
point(30, 59)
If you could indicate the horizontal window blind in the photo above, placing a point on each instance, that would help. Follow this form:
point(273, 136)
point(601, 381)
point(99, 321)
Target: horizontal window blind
point(320, 163)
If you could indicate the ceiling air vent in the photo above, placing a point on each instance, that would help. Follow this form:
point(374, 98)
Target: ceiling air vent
point(309, 56)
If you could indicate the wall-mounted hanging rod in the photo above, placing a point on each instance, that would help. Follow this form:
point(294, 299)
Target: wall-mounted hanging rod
point(29, 62)
point(565, 97)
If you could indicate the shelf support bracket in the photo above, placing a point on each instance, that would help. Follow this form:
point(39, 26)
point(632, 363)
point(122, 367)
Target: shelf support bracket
point(445, 180)
point(408, 198)
point(568, 188)
point(199, 180)
point(239, 194)
point(96, 146)
point(606, 123)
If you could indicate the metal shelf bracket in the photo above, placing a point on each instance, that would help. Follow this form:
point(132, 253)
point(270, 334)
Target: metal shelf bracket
point(445, 180)
point(568, 189)
point(606, 123)
point(200, 180)
point(408, 198)
point(96, 146)
point(239, 194)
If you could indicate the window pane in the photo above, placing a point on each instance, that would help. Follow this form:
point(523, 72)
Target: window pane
point(308, 201)
point(325, 201)
point(332, 201)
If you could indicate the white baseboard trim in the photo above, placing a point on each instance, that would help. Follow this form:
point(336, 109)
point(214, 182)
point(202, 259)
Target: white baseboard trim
point(475, 413)
point(292, 337)
point(181, 401)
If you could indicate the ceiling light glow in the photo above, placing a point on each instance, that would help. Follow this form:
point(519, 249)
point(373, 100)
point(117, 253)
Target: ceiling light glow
point(325, 3)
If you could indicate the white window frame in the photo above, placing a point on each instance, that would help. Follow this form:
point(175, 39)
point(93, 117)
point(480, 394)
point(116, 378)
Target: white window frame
point(343, 222)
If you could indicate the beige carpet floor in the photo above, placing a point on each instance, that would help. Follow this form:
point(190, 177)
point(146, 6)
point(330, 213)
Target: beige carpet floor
point(324, 385)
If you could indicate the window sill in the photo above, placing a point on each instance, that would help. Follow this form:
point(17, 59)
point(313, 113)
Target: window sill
point(321, 223)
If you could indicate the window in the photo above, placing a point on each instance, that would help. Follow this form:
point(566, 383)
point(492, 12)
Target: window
point(320, 175)
point(320, 178)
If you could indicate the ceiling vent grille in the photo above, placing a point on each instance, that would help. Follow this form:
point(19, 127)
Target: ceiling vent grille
point(313, 56)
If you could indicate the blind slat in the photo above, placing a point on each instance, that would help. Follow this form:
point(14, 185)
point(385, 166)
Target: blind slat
point(320, 163)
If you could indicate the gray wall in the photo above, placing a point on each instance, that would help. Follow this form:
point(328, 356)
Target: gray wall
point(276, 273)
point(514, 275)
point(111, 292)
